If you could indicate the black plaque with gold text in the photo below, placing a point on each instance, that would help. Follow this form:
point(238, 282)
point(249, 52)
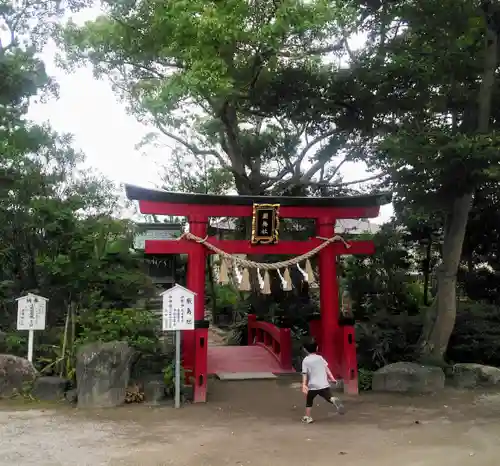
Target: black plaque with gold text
point(265, 223)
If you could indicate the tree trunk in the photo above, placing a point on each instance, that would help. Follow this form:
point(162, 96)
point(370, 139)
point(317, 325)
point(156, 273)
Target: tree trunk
point(437, 331)
point(427, 271)
point(438, 327)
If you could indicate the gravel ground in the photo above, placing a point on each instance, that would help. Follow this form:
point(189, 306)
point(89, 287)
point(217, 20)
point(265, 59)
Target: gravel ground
point(258, 423)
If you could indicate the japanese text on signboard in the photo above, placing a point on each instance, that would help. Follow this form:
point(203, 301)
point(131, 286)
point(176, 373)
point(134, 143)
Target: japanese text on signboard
point(265, 223)
point(178, 309)
point(31, 313)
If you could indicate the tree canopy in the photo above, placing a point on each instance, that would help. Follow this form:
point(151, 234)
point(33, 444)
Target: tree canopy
point(58, 233)
point(195, 70)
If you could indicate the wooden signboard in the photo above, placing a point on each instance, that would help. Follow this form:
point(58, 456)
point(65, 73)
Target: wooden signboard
point(265, 223)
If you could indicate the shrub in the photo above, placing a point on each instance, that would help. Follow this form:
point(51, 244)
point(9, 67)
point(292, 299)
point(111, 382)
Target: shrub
point(386, 339)
point(476, 336)
point(227, 299)
point(15, 343)
point(138, 327)
point(365, 378)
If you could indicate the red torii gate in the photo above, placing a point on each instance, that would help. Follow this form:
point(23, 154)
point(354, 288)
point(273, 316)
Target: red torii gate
point(198, 208)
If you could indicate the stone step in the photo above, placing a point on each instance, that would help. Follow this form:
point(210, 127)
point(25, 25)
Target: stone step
point(229, 376)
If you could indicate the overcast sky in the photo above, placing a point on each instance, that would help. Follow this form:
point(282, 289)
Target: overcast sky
point(102, 129)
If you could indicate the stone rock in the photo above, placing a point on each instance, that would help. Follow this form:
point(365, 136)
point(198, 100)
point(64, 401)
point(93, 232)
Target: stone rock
point(49, 388)
point(154, 390)
point(475, 375)
point(103, 373)
point(16, 375)
point(71, 396)
point(408, 377)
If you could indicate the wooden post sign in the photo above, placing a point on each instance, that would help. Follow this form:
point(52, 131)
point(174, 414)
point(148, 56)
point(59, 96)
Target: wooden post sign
point(177, 315)
point(265, 223)
point(31, 315)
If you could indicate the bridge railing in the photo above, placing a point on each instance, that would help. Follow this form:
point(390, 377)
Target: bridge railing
point(276, 340)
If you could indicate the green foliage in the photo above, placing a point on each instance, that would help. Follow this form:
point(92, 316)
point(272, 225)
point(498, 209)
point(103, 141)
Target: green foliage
point(56, 220)
point(480, 276)
point(365, 378)
point(476, 337)
point(386, 281)
point(58, 361)
point(169, 378)
point(239, 324)
point(437, 123)
point(220, 58)
point(482, 284)
point(226, 295)
point(201, 175)
point(387, 297)
point(385, 339)
point(388, 308)
point(223, 299)
point(135, 326)
point(14, 343)
point(209, 46)
point(138, 327)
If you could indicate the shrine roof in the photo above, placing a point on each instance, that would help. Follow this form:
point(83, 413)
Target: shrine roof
point(137, 193)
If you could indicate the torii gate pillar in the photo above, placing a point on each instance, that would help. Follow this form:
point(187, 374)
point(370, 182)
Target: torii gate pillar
point(329, 302)
point(196, 282)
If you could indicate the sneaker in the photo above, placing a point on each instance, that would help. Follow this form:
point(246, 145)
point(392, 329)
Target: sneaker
point(338, 404)
point(307, 420)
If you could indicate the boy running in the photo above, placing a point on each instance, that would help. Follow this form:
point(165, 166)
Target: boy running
point(315, 381)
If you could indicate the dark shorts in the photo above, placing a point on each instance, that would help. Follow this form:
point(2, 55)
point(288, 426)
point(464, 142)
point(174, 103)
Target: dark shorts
point(325, 393)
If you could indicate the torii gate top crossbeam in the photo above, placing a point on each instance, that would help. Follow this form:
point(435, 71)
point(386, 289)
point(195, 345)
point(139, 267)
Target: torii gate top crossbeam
point(160, 202)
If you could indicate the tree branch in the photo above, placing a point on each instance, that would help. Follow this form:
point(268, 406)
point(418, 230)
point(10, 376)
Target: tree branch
point(191, 147)
point(336, 170)
point(347, 183)
point(345, 40)
point(307, 176)
point(310, 52)
point(308, 147)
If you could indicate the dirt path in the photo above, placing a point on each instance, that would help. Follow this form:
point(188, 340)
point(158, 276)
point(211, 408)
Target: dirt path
point(258, 423)
point(215, 337)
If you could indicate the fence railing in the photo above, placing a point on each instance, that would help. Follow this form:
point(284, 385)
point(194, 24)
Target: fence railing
point(276, 340)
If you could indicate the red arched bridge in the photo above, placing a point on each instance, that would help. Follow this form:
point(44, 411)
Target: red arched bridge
point(269, 350)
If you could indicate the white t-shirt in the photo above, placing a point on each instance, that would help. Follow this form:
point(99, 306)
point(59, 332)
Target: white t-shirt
point(314, 366)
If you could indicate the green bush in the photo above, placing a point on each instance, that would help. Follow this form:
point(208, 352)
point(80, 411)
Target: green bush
point(476, 336)
point(227, 299)
point(391, 338)
point(169, 378)
point(386, 339)
point(226, 296)
point(15, 343)
point(138, 327)
point(365, 378)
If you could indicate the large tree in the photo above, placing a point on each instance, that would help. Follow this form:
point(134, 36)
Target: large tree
point(421, 94)
point(195, 70)
point(434, 130)
point(57, 229)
